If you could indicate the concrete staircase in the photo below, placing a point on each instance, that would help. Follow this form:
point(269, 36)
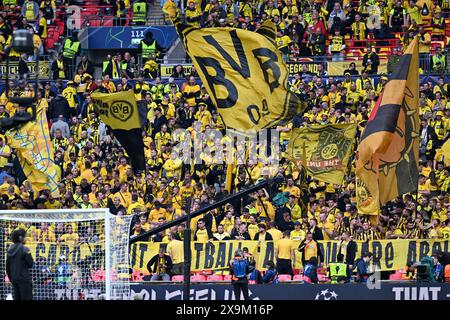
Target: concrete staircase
point(155, 16)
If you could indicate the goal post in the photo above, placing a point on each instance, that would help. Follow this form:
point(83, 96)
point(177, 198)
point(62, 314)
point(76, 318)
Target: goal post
point(78, 254)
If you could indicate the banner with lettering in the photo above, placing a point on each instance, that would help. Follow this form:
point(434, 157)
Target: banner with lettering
point(168, 69)
point(216, 255)
point(44, 69)
point(327, 149)
point(51, 251)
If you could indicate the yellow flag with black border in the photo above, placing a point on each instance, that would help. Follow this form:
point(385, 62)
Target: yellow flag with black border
point(324, 150)
point(244, 74)
point(118, 110)
point(388, 154)
point(123, 115)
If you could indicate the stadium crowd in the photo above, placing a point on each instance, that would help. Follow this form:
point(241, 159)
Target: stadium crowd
point(96, 172)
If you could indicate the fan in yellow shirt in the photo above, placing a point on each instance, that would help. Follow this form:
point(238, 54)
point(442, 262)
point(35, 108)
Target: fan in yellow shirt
point(70, 237)
point(172, 166)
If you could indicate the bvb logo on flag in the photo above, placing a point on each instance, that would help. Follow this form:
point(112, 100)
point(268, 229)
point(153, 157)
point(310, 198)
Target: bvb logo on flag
point(121, 110)
point(332, 145)
point(401, 144)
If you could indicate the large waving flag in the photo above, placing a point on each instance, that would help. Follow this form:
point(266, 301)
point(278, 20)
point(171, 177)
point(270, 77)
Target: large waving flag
point(244, 74)
point(121, 113)
point(324, 149)
point(35, 153)
point(388, 154)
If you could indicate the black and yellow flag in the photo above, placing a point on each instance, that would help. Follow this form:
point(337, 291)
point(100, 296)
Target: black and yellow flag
point(121, 113)
point(388, 154)
point(324, 150)
point(244, 74)
point(118, 110)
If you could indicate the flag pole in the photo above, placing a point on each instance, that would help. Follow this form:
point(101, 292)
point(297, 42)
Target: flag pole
point(248, 173)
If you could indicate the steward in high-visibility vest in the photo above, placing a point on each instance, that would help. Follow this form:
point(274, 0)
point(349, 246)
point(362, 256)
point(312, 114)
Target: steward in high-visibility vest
point(139, 12)
point(10, 3)
point(28, 11)
point(338, 270)
point(439, 57)
point(106, 63)
point(71, 48)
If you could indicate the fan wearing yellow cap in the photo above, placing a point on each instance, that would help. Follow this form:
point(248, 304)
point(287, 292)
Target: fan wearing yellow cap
point(440, 128)
point(203, 115)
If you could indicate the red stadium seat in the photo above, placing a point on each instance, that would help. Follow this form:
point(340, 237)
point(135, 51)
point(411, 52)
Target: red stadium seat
point(136, 276)
point(108, 21)
point(215, 277)
point(198, 278)
point(284, 277)
point(396, 276)
point(447, 273)
point(178, 278)
point(322, 278)
point(49, 43)
point(298, 277)
point(227, 277)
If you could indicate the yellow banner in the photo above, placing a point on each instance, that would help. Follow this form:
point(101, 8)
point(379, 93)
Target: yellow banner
point(337, 68)
point(118, 110)
point(244, 74)
point(35, 153)
point(44, 69)
point(216, 255)
point(296, 67)
point(51, 251)
point(168, 69)
point(327, 149)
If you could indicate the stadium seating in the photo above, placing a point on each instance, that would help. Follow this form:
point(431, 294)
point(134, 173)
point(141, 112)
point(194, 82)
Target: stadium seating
point(396, 276)
point(215, 277)
point(284, 277)
point(227, 277)
point(178, 278)
point(298, 277)
point(198, 278)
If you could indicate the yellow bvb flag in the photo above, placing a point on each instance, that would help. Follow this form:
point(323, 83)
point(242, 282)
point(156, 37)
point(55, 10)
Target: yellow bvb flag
point(118, 110)
point(244, 74)
point(324, 150)
point(388, 154)
point(121, 112)
point(35, 153)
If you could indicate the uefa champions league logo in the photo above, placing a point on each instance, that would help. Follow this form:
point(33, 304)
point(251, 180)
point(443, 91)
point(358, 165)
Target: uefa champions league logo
point(326, 295)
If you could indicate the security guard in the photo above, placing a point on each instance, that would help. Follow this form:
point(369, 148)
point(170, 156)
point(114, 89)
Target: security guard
point(28, 10)
point(71, 49)
point(338, 270)
point(437, 58)
point(139, 12)
point(12, 3)
point(106, 63)
point(149, 47)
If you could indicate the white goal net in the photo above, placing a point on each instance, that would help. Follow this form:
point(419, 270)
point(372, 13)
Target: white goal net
point(80, 254)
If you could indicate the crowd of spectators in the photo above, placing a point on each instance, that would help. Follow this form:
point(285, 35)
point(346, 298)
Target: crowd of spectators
point(96, 172)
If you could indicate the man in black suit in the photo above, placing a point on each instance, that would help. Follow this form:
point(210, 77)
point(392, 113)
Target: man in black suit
point(348, 248)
